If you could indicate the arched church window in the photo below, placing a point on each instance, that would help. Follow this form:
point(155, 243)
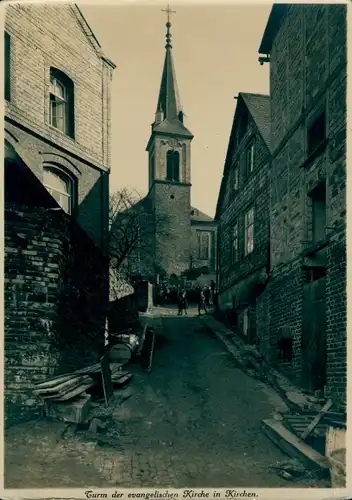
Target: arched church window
point(203, 245)
point(60, 186)
point(173, 166)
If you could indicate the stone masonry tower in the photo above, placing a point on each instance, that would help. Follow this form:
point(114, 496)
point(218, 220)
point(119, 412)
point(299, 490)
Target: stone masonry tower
point(169, 149)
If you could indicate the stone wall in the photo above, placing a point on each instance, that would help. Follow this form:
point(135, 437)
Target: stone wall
point(252, 192)
point(307, 76)
point(173, 235)
point(54, 303)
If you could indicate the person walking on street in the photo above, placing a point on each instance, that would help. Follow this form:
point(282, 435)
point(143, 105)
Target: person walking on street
point(201, 303)
point(184, 301)
point(179, 303)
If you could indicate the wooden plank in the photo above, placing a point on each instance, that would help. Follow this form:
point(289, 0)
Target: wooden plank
point(335, 440)
point(90, 369)
point(122, 380)
point(53, 382)
point(296, 448)
point(106, 378)
point(66, 376)
point(116, 369)
point(149, 369)
point(142, 339)
point(316, 420)
point(68, 389)
point(61, 386)
point(75, 392)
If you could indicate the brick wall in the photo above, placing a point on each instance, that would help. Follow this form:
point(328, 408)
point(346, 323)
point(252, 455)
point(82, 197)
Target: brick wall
point(54, 304)
point(92, 183)
point(45, 36)
point(307, 75)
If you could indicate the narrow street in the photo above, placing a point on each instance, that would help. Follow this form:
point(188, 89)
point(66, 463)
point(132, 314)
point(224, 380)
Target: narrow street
point(193, 421)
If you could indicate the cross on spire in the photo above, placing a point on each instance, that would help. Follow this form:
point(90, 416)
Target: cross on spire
point(168, 12)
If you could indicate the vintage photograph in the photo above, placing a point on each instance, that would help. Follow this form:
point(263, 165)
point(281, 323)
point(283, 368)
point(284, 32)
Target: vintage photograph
point(174, 246)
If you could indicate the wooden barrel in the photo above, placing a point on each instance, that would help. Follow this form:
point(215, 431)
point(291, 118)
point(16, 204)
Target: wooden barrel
point(123, 350)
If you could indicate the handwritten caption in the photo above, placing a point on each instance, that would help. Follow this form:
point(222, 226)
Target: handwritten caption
point(166, 494)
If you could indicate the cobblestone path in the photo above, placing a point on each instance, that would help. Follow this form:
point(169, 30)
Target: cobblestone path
point(193, 421)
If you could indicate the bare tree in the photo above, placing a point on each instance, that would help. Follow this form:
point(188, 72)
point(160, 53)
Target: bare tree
point(132, 234)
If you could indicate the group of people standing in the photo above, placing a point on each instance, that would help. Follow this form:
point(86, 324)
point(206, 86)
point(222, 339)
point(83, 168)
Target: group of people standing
point(205, 298)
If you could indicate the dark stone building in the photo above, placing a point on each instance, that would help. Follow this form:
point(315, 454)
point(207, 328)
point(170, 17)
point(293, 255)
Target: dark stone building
point(243, 213)
point(303, 309)
point(57, 162)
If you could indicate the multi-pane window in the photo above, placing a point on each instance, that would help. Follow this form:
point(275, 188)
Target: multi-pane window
point(249, 231)
point(7, 67)
point(316, 133)
point(60, 187)
point(203, 245)
point(234, 244)
point(173, 166)
point(250, 158)
point(61, 102)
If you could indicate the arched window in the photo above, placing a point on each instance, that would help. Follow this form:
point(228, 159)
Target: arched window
point(60, 186)
point(173, 166)
point(61, 102)
point(203, 245)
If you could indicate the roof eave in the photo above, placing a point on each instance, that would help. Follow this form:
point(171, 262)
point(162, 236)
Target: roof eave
point(276, 17)
point(167, 134)
point(109, 62)
point(90, 35)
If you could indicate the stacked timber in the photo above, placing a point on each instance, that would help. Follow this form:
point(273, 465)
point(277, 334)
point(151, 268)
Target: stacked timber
point(70, 385)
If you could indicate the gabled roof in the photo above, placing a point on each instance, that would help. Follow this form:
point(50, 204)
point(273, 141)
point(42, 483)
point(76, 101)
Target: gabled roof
point(198, 216)
point(276, 17)
point(89, 34)
point(258, 106)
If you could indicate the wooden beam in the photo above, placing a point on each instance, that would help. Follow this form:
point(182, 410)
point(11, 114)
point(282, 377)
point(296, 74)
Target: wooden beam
point(316, 420)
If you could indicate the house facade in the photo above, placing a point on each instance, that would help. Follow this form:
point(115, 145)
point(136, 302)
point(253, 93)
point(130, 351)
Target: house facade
point(57, 162)
point(304, 306)
point(57, 108)
point(243, 212)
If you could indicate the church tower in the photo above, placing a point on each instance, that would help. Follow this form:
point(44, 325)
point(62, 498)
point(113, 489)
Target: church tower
point(169, 149)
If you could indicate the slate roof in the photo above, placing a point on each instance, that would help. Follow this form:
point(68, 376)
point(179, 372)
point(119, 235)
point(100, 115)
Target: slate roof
point(172, 127)
point(259, 107)
point(198, 216)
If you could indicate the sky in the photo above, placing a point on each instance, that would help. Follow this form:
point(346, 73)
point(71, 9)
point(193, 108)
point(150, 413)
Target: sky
point(215, 50)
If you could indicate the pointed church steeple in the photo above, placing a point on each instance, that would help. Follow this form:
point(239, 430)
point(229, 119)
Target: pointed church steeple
point(169, 114)
point(169, 99)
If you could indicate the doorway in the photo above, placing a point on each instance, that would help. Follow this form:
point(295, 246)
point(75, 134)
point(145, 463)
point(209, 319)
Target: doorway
point(314, 333)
